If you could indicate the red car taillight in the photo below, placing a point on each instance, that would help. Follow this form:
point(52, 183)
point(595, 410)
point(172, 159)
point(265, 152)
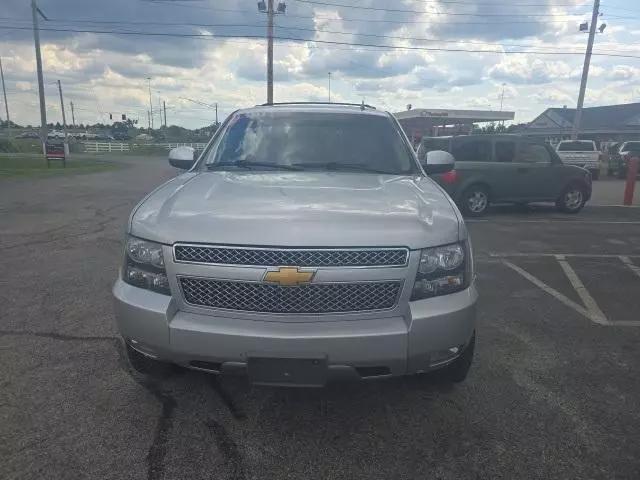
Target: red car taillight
point(449, 177)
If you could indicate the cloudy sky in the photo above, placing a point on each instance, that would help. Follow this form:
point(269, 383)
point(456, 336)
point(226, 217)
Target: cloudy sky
point(430, 53)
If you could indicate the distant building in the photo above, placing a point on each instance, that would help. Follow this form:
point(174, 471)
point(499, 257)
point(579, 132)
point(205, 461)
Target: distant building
point(602, 124)
point(433, 122)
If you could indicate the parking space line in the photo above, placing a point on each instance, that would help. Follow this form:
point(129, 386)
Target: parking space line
point(595, 313)
point(586, 222)
point(627, 261)
point(551, 291)
point(536, 254)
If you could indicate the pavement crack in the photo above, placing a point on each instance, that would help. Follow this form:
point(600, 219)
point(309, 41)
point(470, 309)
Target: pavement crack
point(99, 228)
point(57, 336)
point(158, 448)
point(236, 411)
point(228, 448)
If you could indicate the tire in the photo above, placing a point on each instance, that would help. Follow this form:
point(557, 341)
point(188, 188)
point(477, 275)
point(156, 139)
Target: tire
point(595, 174)
point(148, 366)
point(572, 199)
point(474, 201)
point(458, 370)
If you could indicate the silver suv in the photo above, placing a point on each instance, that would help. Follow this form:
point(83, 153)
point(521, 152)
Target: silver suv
point(305, 244)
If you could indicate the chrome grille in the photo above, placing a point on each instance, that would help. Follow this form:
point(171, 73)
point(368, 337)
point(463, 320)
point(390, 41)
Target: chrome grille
point(309, 298)
point(299, 257)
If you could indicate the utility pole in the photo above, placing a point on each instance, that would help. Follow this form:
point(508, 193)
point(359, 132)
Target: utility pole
point(35, 11)
point(271, 13)
point(6, 105)
point(502, 101)
point(149, 120)
point(585, 70)
point(150, 106)
point(73, 116)
point(164, 107)
point(329, 87)
point(270, 53)
point(216, 113)
point(64, 121)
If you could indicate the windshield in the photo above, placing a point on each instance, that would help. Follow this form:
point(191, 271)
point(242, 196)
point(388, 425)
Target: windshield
point(312, 141)
point(576, 146)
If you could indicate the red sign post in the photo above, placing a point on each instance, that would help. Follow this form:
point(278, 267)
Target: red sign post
point(632, 171)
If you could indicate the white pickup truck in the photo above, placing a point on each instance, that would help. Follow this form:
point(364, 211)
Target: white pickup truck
point(582, 153)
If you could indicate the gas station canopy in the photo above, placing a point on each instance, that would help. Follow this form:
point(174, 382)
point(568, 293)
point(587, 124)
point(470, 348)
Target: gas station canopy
point(419, 122)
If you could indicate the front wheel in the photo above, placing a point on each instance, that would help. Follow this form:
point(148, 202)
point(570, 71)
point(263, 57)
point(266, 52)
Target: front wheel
point(474, 201)
point(572, 199)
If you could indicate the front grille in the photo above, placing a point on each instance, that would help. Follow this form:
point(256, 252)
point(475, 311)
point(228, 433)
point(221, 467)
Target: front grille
point(310, 298)
point(391, 257)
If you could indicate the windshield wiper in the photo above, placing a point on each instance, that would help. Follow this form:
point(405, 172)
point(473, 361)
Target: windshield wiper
point(335, 166)
point(249, 165)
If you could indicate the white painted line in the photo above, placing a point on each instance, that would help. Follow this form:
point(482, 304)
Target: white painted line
point(551, 291)
point(536, 254)
point(614, 205)
point(627, 261)
point(595, 313)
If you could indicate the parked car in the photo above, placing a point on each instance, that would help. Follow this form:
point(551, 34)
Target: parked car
point(28, 135)
point(121, 136)
point(507, 169)
point(610, 152)
point(583, 153)
point(306, 244)
point(55, 134)
point(626, 152)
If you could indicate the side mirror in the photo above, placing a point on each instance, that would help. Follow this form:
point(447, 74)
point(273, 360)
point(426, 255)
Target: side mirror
point(438, 161)
point(182, 157)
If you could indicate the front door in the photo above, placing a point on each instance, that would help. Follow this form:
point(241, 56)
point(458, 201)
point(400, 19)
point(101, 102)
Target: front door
point(536, 176)
point(504, 169)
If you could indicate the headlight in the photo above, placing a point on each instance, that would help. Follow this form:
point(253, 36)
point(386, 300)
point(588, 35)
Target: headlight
point(442, 270)
point(144, 266)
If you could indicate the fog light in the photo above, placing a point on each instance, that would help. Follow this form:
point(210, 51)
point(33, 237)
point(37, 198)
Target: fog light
point(443, 356)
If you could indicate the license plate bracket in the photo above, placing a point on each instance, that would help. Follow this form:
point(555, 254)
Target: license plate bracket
point(302, 372)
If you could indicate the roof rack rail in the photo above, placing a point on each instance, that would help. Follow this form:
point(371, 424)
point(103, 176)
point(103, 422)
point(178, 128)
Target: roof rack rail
point(361, 105)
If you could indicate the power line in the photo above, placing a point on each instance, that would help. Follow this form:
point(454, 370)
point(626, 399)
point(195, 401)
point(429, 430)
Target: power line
point(421, 39)
point(397, 37)
point(328, 42)
point(330, 19)
point(398, 10)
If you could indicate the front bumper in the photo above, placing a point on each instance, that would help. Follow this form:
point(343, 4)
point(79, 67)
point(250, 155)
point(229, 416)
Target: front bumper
point(430, 334)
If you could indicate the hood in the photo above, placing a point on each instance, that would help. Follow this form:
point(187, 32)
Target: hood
point(298, 209)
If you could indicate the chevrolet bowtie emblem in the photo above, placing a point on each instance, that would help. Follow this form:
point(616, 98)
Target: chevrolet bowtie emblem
point(288, 276)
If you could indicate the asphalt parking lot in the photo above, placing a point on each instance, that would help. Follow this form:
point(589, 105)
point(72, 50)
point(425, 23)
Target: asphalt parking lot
point(553, 392)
